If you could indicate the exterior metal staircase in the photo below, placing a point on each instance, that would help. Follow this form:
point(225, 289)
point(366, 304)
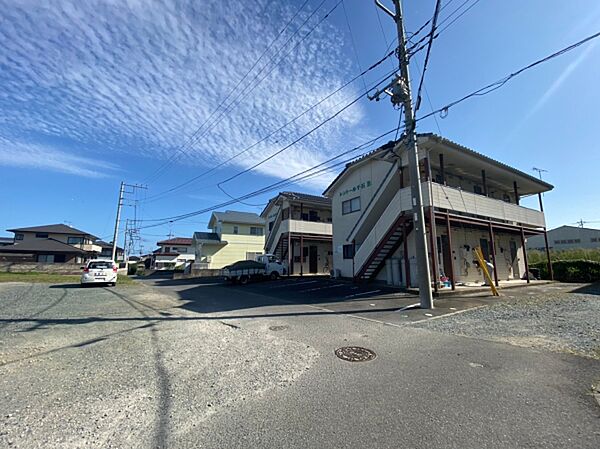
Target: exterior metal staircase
point(390, 242)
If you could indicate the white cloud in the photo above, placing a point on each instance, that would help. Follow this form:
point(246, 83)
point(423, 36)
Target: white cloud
point(141, 76)
point(31, 155)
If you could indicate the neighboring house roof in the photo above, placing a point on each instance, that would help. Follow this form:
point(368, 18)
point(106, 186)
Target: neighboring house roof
point(176, 241)
point(104, 244)
point(6, 241)
point(208, 237)
point(54, 229)
point(456, 146)
point(41, 246)
point(299, 196)
point(232, 216)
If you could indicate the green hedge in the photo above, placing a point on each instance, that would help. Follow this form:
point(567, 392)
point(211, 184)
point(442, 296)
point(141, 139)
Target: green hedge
point(570, 270)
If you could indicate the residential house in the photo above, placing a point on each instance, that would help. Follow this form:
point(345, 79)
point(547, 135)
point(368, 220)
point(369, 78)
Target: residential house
point(106, 252)
point(56, 243)
point(172, 254)
point(233, 236)
point(299, 231)
point(566, 237)
point(5, 241)
point(470, 201)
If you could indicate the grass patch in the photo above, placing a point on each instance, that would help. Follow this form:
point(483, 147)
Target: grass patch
point(53, 278)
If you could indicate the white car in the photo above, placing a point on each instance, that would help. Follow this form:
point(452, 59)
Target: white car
point(99, 272)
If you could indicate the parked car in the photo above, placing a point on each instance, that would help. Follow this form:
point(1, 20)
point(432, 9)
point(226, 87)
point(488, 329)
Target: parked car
point(265, 266)
point(99, 271)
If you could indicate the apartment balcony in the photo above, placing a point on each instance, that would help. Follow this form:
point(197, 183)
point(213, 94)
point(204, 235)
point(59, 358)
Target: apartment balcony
point(90, 247)
point(306, 227)
point(458, 200)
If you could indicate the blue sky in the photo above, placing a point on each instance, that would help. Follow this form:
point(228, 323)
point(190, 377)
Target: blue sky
point(102, 91)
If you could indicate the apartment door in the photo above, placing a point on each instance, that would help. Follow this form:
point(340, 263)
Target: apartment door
point(485, 249)
point(446, 255)
point(312, 259)
point(514, 261)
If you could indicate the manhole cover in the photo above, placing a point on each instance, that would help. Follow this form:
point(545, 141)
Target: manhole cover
point(355, 354)
point(278, 328)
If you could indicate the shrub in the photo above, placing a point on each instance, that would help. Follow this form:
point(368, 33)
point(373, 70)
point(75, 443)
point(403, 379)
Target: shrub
point(571, 270)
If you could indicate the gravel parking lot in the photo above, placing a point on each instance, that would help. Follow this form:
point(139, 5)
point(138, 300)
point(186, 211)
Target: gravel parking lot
point(563, 318)
point(123, 367)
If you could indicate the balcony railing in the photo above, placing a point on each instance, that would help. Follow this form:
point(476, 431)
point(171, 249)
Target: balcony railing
point(458, 200)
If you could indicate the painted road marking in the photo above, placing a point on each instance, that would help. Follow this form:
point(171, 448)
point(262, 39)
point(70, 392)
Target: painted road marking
point(323, 288)
point(361, 294)
point(291, 284)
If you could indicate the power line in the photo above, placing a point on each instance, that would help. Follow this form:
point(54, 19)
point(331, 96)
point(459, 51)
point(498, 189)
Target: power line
point(436, 13)
point(246, 93)
point(327, 120)
point(353, 43)
point(303, 175)
point(248, 148)
point(419, 45)
point(195, 133)
point(501, 82)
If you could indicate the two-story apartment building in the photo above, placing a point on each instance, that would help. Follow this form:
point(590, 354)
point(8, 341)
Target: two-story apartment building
point(172, 253)
point(233, 236)
point(299, 231)
point(470, 201)
point(55, 243)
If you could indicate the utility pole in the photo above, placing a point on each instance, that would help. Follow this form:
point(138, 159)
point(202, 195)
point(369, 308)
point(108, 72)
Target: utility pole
point(122, 193)
point(118, 219)
point(399, 90)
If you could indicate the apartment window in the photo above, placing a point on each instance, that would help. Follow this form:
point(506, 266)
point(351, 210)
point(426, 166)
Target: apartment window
point(577, 241)
point(351, 205)
point(256, 230)
point(46, 258)
point(75, 240)
point(41, 235)
point(557, 242)
point(236, 230)
point(594, 239)
point(348, 251)
point(271, 223)
point(18, 236)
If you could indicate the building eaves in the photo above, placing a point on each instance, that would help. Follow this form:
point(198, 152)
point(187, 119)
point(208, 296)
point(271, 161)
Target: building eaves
point(42, 245)
point(58, 228)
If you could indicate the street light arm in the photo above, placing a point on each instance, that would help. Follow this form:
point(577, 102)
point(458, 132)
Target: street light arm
point(385, 9)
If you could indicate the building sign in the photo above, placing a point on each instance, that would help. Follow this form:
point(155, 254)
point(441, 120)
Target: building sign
point(356, 188)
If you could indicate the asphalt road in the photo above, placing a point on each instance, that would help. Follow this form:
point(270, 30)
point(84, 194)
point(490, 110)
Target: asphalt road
point(189, 364)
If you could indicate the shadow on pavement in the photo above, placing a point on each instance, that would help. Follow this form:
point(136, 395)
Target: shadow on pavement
point(592, 289)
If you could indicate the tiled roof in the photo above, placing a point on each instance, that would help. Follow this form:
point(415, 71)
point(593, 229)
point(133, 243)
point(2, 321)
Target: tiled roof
point(445, 141)
point(104, 244)
point(41, 245)
point(232, 216)
point(213, 236)
point(298, 196)
point(53, 228)
point(176, 241)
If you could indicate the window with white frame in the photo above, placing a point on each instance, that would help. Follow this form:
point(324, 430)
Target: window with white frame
point(351, 205)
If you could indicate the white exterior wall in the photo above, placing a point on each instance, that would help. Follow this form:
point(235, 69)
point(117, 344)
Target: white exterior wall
point(462, 258)
point(565, 238)
point(323, 257)
point(371, 171)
